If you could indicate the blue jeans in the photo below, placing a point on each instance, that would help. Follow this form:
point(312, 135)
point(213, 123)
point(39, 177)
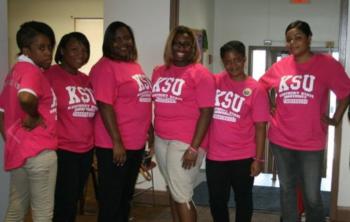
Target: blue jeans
point(303, 168)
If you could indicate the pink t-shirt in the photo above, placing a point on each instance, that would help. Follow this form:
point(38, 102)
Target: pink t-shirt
point(125, 86)
point(76, 108)
point(21, 143)
point(302, 92)
point(238, 106)
point(178, 93)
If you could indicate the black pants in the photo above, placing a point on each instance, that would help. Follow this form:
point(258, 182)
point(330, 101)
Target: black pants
point(72, 172)
point(116, 184)
point(221, 176)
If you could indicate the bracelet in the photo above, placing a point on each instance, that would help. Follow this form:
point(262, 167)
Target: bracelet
point(193, 150)
point(259, 160)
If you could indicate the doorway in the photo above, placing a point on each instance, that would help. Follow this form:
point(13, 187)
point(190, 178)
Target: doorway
point(260, 59)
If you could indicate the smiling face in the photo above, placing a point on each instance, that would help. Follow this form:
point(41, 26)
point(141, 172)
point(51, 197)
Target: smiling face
point(40, 51)
point(74, 55)
point(297, 42)
point(234, 64)
point(182, 49)
point(122, 45)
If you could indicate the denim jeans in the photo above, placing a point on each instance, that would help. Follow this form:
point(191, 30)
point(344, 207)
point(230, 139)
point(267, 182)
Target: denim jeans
point(221, 177)
point(304, 168)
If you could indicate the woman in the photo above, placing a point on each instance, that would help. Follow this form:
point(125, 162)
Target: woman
point(237, 136)
point(298, 130)
point(28, 126)
point(183, 92)
point(76, 108)
point(123, 94)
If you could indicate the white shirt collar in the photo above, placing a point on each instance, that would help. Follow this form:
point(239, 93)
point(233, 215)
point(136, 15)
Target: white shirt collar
point(24, 58)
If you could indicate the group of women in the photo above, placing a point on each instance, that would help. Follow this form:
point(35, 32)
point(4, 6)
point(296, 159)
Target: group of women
point(196, 114)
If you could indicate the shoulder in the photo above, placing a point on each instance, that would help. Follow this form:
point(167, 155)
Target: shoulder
point(327, 59)
point(26, 67)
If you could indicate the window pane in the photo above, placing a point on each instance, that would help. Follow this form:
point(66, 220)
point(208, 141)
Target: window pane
point(259, 63)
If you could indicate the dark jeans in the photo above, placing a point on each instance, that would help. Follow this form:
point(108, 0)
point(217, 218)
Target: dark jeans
point(304, 167)
point(221, 176)
point(116, 184)
point(72, 172)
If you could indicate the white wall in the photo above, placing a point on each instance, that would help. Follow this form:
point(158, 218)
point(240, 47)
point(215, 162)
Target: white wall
point(4, 177)
point(150, 23)
point(58, 14)
point(199, 14)
point(252, 21)
point(344, 170)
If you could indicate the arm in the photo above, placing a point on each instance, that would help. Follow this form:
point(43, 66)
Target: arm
point(190, 156)
point(272, 101)
point(151, 139)
point(2, 129)
point(341, 107)
point(109, 120)
point(260, 136)
point(29, 104)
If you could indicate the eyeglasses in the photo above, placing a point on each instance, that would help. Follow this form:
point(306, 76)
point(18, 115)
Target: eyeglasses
point(178, 44)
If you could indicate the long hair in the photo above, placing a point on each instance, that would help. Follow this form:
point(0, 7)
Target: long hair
point(108, 39)
point(168, 52)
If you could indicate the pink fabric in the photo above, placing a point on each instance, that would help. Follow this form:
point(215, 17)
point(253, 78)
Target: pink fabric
point(302, 99)
point(76, 108)
point(126, 87)
point(178, 93)
point(238, 106)
point(21, 143)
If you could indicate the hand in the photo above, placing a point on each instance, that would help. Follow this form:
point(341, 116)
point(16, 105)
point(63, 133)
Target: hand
point(30, 122)
point(273, 110)
point(256, 168)
point(189, 159)
point(151, 149)
point(119, 154)
point(329, 121)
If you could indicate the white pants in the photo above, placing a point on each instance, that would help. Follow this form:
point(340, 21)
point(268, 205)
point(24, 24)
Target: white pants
point(180, 181)
point(33, 185)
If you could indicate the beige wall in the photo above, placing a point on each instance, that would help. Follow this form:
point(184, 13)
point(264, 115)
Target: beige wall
point(58, 14)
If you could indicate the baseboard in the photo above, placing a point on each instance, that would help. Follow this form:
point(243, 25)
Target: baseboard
point(343, 214)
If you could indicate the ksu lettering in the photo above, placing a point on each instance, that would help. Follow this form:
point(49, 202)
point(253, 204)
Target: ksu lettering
point(142, 82)
point(229, 100)
point(80, 95)
point(295, 82)
point(172, 85)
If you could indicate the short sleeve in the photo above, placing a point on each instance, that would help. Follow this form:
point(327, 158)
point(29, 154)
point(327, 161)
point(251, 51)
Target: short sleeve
point(103, 82)
point(339, 83)
point(261, 109)
point(266, 81)
point(205, 88)
point(31, 82)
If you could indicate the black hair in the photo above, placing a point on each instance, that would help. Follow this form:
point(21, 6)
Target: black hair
point(80, 37)
point(300, 25)
point(232, 46)
point(109, 38)
point(29, 30)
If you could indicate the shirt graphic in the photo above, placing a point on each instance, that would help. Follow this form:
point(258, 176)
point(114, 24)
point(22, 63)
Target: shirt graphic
point(81, 101)
point(144, 85)
point(168, 89)
point(227, 105)
point(296, 89)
